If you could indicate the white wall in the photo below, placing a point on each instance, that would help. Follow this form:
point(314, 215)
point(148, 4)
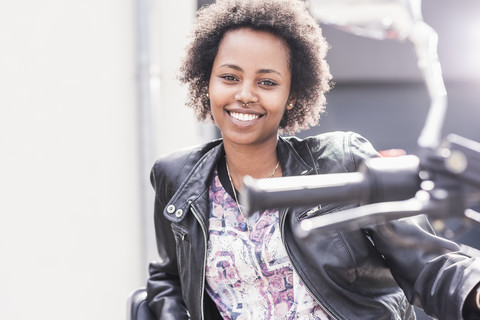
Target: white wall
point(70, 184)
point(176, 125)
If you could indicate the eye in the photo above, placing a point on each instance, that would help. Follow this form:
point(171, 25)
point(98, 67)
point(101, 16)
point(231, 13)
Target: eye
point(229, 77)
point(268, 83)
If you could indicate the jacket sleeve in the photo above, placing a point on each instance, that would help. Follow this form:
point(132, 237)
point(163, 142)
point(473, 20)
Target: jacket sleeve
point(164, 292)
point(436, 274)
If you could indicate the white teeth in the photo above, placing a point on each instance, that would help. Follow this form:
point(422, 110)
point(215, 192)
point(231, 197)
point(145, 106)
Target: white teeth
point(244, 116)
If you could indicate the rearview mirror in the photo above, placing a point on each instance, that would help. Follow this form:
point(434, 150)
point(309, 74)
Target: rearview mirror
point(395, 19)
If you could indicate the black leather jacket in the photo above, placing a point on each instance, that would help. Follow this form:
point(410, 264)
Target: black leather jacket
point(365, 274)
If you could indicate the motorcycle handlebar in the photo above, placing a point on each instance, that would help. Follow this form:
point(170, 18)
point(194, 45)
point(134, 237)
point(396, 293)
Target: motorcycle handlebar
point(377, 180)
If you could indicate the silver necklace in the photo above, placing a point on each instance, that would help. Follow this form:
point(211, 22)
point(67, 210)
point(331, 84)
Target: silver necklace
point(246, 225)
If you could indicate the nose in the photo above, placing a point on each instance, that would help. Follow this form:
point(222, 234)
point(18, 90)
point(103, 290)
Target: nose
point(246, 94)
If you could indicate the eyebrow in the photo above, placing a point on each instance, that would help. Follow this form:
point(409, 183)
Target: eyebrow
point(268, 71)
point(261, 71)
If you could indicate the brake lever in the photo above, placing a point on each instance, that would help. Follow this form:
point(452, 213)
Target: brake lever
point(439, 205)
point(359, 217)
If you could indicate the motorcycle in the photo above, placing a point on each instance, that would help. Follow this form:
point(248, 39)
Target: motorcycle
point(441, 181)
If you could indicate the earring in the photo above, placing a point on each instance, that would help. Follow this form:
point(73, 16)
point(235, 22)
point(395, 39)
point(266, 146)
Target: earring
point(208, 96)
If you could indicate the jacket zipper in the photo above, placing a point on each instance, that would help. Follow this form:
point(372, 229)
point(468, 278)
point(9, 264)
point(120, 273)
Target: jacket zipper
point(204, 257)
point(282, 232)
point(307, 213)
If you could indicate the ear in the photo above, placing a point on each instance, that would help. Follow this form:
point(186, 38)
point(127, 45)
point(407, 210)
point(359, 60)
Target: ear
point(291, 101)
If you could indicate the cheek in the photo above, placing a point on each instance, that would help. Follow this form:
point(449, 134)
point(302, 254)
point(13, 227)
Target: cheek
point(216, 102)
point(218, 94)
point(216, 109)
point(278, 105)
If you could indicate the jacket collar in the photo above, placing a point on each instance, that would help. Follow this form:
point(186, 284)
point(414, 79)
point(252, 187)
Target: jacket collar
point(194, 188)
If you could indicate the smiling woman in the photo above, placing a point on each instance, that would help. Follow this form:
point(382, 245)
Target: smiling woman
point(249, 90)
point(256, 68)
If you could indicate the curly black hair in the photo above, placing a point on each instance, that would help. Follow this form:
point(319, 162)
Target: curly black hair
point(287, 19)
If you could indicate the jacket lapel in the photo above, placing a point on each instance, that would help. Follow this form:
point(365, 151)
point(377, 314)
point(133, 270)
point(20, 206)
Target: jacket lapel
point(194, 188)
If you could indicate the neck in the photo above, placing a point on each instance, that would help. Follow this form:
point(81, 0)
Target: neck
point(256, 161)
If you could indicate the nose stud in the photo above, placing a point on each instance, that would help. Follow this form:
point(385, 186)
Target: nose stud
point(245, 104)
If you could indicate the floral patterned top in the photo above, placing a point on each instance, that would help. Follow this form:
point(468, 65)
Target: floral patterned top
point(248, 273)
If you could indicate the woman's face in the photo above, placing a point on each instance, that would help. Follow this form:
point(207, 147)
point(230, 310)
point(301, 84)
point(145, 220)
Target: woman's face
point(249, 87)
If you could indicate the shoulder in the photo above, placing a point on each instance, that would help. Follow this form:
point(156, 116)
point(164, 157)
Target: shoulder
point(172, 167)
point(342, 141)
point(341, 149)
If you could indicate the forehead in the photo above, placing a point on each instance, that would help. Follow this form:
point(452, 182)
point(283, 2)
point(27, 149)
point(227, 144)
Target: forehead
point(253, 47)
